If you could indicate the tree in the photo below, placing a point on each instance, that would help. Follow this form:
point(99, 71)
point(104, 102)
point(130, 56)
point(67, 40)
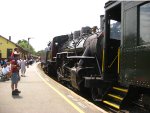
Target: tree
point(41, 53)
point(24, 44)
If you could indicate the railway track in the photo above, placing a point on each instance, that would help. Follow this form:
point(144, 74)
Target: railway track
point(133, 108)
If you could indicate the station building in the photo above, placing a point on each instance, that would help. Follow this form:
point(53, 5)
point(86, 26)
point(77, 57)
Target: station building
point(7, 47)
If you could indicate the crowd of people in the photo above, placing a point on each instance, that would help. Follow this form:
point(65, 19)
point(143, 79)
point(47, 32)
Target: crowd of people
point(14, 68)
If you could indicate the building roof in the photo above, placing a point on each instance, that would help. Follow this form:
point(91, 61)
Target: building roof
point(14, 43)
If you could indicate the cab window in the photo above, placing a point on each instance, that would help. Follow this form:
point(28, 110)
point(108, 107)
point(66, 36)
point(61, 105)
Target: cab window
point(144, 24)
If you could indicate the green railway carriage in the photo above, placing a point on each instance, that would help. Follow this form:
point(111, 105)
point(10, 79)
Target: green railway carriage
point(126, 53)
point(133, 63)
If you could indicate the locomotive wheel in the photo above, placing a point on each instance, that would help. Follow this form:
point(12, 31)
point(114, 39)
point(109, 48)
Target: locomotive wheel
point(96, 94)
point(49, 70)
point(59, 72)
point(44, 69)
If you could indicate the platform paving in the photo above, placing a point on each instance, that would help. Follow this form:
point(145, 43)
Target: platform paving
point(41, 94)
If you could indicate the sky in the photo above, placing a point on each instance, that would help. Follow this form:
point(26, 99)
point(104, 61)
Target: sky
point(41, 20)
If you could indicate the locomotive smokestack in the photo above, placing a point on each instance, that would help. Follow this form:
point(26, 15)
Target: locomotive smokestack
point(101, 22)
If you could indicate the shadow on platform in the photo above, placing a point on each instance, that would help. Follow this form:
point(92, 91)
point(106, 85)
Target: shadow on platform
point(17, 96)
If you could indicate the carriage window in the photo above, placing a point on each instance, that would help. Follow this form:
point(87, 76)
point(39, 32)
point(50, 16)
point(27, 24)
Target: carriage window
point(115, 30)
point(144, 21)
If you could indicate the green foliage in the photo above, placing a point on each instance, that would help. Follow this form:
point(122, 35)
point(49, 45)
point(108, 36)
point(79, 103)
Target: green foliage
point(24, 44)
point(40, 53)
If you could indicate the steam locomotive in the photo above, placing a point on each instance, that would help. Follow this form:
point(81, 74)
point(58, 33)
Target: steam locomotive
point(114, 62)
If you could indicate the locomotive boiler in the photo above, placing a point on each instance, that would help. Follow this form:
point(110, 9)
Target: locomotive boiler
point(71, 53)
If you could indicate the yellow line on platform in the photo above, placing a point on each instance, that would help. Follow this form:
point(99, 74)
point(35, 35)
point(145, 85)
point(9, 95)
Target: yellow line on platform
point(65, 98)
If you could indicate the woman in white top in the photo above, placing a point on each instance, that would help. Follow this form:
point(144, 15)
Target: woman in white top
point(23, 67)
point(6, 70)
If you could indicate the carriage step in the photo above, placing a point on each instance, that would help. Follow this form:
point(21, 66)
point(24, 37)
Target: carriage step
point(111, 104)
point(121, 89)
point(116, 97)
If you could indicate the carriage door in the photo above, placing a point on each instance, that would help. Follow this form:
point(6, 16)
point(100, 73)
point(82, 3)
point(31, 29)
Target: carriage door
point(112, 42)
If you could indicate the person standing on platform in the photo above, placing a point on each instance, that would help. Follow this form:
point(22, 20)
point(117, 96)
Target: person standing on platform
point(15, 74)
point(14, 53)
point(23, 64)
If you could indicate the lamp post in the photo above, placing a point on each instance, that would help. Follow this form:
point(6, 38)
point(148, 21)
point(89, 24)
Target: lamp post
point(28, 48)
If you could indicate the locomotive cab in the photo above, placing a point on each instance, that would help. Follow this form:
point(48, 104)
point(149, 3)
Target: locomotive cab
point(54, 48)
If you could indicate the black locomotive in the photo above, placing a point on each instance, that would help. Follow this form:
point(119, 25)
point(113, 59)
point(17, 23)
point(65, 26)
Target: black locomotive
point(113, 63)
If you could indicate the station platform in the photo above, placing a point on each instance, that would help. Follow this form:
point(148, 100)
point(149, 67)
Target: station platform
point(41, 94)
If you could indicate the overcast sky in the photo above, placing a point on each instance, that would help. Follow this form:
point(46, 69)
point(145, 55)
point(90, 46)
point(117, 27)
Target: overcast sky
point(41, 20)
